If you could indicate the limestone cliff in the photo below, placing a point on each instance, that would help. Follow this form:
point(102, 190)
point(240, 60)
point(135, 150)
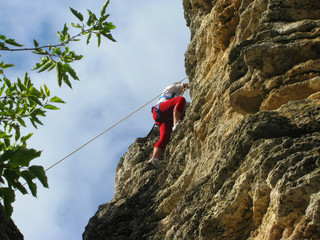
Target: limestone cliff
point(245, 161)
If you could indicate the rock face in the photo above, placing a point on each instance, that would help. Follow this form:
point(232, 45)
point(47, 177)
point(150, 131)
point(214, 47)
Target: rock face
point(245, 161)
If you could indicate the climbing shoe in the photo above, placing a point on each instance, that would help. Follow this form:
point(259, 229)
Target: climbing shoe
point(154, 162)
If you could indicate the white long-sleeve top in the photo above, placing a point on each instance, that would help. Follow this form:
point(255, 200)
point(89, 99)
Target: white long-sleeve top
point(171, 91)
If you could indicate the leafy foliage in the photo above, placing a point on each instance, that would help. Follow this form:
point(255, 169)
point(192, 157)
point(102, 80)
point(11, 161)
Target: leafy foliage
point(22, 103)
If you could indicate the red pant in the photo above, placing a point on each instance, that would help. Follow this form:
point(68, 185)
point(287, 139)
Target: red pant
point(166, 112)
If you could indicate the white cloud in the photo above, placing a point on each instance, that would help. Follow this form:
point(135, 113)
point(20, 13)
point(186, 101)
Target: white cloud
point(116, 79)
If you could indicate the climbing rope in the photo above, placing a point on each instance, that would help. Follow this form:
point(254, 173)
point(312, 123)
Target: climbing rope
point(99, 135)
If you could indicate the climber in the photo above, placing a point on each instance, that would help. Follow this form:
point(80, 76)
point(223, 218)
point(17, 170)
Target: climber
point(167, 113)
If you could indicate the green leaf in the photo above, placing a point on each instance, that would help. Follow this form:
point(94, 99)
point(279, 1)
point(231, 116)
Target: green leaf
point(35, 100)
point(8, 197)
point(51, 107)
point(47, 90)
point(21, 121)
point(88, 38)
point(59, 73)
point(44, 60)
point(23, 156)
point(46, 66)
point(52, 67)
point(25, 138)
point(20, 187)
point(7, 155)
point(12, 176)
point(99, 39)
point(36, 44)
point(2, 89)
point(36, 120)
point(3, 46)
point(7, 81)
point(109, 36)
point(57, 100)
point(108, 26)
point(33, 123)
point(65, 51)
point(78, 57)
point(7, 142)
point(77, 14)
point(66, 36)
point(103, 18)
point(37, 66)
point(60, 36)
point(8, 65)
point(13, 43)
point(70, 70)
point(27, 81)
point(38, 112)
point(18, 134)
point(65, 29)
point(29, 176)
point(40, 51)
point(39, 172)
point(21, 85)
point(4, 135)
point(66, 80)
point(76, 25)
point(103, 9)
point(92, 18)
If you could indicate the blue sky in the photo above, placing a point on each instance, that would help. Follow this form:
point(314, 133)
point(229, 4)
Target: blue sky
point(116, 79)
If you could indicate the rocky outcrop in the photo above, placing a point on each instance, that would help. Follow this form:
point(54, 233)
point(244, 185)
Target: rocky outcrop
point(245, 161)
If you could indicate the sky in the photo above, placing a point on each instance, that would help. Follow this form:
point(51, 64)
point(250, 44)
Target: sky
point(115, 80)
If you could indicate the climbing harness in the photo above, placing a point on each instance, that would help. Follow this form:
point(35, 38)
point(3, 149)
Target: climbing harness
point(99, 135)
point(159, 120)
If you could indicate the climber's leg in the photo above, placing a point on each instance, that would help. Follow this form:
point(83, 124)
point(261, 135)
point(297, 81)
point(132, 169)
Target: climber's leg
point(165, 132)
point(157, 152)
point(176, 117)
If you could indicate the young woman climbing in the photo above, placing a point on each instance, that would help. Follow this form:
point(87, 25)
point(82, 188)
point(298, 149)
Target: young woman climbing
point(167, 113)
